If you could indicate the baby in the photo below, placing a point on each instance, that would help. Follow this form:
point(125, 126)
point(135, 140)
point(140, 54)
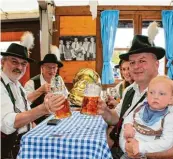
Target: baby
point(151, 123)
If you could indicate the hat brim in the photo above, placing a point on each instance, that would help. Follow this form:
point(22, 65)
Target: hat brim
point(16, 55)
point(60, 64)
point(116, 66)
point(157, 51)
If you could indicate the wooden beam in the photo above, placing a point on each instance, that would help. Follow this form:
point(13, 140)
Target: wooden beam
point(134, 8)
point(42, 4)
point(56, 33)
point(137, 24)
point(99, 55)
point(21, 15)
point(79, 10)
point(85, 10)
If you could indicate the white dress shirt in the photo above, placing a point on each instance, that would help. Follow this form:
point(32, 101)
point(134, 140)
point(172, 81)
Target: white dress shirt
point(7, 109)
point(137, 96)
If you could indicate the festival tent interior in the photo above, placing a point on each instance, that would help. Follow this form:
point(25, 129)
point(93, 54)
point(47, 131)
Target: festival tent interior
point(52, 20)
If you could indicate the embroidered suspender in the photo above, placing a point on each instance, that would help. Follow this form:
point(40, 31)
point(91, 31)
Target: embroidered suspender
point(10, 93)
point(144, 129)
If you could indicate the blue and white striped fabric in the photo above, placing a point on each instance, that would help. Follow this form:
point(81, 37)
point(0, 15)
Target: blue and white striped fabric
point(78, 136)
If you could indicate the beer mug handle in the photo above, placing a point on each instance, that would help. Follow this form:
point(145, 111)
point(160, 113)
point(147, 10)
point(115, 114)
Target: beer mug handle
point(104, 95)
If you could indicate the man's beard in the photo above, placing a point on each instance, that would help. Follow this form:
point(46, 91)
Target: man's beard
point(17, 74)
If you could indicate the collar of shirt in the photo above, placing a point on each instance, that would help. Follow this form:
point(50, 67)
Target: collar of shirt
point(42, 80)
point(136, 98)
point(137, 92)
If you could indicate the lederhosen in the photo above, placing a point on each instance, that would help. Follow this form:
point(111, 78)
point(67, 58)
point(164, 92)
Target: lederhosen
point(39, 100)
point(114, 135)
point(10, 144)
point(145, 130)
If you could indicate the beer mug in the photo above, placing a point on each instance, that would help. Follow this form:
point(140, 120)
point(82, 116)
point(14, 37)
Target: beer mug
point(90, 100)
point(58, 89)
point(113, 92)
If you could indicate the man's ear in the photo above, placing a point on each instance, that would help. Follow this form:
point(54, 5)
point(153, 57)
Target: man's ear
point(2, 61)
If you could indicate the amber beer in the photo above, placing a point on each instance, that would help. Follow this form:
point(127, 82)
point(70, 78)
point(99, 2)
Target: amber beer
point(89, 105)
point(64, 112)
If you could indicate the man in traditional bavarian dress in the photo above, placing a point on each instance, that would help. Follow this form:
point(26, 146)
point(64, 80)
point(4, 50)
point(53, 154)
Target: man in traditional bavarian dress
point(150, 124)
point(144, 59)
point(37, 87)
point(16, 114)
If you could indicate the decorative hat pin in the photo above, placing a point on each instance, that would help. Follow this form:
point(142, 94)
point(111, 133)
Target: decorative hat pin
point(152, 32)
point(54, 50)
point(27, 40)
point(21, 50)
point(145, 44)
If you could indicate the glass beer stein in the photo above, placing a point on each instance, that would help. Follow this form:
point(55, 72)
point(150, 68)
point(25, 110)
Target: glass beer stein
point(58, 89)
point(90, 100)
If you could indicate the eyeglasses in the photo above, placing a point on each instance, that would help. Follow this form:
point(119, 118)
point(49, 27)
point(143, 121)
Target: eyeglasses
point(15, 62)
point(50, 67)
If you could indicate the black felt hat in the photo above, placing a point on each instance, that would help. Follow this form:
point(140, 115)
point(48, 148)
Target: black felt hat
point(51, 58)
point(141, 44)
point(19, 51)
point(118, 66)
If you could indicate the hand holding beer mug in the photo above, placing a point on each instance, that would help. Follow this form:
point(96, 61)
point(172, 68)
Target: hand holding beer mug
point(113, 92)
point(58, 89)
point(90, 100)
point(111, 97)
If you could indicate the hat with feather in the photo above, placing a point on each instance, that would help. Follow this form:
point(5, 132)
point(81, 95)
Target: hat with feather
point(141, 44)
point(21, 50)
point(52, 57)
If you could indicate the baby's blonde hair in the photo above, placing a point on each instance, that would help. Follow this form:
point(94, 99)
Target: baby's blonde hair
point(165, 79)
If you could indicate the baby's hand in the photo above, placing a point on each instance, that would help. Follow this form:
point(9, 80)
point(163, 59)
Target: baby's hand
point(129, 131)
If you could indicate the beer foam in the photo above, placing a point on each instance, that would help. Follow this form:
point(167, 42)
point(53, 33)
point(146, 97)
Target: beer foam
point(91, 95)
point(92, 90)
